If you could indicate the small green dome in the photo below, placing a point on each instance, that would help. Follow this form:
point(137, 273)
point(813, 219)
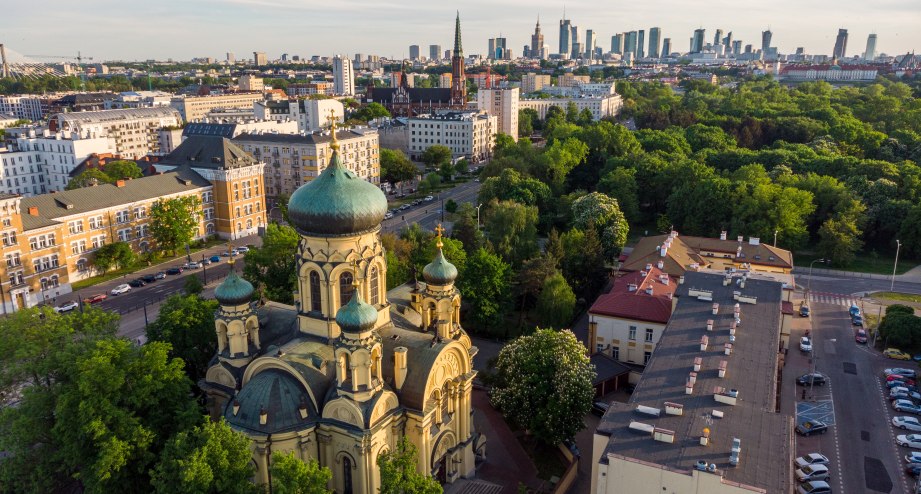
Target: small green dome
point(439, 271)
point(234, 290)
point(338, 202)
point(356, 316)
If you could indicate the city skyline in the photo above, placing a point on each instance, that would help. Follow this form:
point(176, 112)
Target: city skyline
point(162, 30)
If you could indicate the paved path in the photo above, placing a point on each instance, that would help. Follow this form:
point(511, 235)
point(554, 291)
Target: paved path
point(507, 463)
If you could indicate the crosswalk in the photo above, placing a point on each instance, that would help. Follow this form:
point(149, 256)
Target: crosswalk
point(841, 299)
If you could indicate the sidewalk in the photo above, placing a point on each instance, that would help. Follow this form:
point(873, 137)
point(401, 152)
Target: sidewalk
point(507, 463)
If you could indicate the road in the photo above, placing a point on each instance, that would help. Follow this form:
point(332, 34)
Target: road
point(429, 214)
point(853, 285)
point(861, 441)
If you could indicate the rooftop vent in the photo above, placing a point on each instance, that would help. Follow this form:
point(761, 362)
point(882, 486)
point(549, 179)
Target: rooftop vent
point(631, 287)
point(663, 435)
point(740, 238)
point(641, 427)
point(754, 240)
point(645, 410)
point(723, 235)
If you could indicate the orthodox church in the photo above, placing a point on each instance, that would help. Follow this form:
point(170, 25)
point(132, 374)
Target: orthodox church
point(345, 373)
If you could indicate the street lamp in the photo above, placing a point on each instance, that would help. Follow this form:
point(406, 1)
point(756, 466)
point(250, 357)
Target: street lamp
point(775, 237)
point(478, 216)
point(809, 284)
point(898, 245)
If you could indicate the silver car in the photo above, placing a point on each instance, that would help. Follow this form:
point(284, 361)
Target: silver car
point(907, 423)
point(812, 472)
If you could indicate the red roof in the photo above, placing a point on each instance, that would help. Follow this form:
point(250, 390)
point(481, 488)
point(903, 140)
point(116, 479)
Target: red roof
point(631, 298)
point(786, 307)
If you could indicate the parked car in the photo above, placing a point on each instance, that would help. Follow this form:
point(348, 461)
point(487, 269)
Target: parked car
point(242, 249)
point(120, 289)
point(192, 265)
point(902, 371)
point(903, 405)
point(905, 383)
point(913, 457)
point(812, 472)
point(215, 259)
point(907, 423)
point(138, 283)
point(599, 408)
point(814, 487)
point(804, 310)
point(95, 299)
point(903, 393)
point(912, 441)
point(174, 271)
point(805, 344)
point(816, 379)
point(895, 353)
point(149, 278)
point(160, 275)
point(429, 198)
point(67, 307)
point(853, 310)
point(388, 215)
point(860, 337)
point(810, 459)
point(206, 262)
point(810, 427)
point(913, 469)
point(857, 321)
point(899, 377)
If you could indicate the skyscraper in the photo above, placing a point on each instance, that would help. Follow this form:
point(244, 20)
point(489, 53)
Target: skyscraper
point(666, 47)
point(502, 51)
point(697, 42)
point(766, 40)
point(654, 41)
point(343, 76)
point(434, 52)
point(630, 43)
point(617, 44)
point(231, 58)
point(737, 47)
point(414, 52)
point(840, 44)
point(491, 49)
point(870, 54)
point(641, 43)
point(565, 37)
point(259, 59)
point(591, 40)
point(576, 47)
point(727, 42)
point(458, 77)
point(537, 42)
point(718, 37)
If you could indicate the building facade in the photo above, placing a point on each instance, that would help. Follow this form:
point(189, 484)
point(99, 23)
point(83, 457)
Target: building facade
point(294, 160)
point(134, 130)
point(350, 369)
point(343, 76)
point(193, 108)
point(532, 82)
point(311, 115)
point(600, 106)
point(24, 107)
point(36, 164)
point(251, 82)
point(469, 135)
point(503, 103)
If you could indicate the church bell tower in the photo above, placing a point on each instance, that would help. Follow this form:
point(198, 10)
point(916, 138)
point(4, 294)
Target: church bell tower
point(458, 78)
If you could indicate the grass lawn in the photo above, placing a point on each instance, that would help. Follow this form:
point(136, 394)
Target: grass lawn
point(864, 263)
point(547, 459)
point(901, 297)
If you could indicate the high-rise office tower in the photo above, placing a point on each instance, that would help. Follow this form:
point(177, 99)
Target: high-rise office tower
point(617, 44)
point(697, 42)
point(343, 76)
point(576, 51)
point(502, 51)
point(491, 49)
point(591, 41)
point(840, 44)
point(630, 43)
point(537, 42)
point(259, 59)
point(666, 47)
point(748, 49)
point(737, 46)
point(231, 58)
point(434, 52)
point(654, 41)
point(870, 54)
point(766, 40)
point(565, 37)
point(727, 43)
point(641, 43)
point(718, 37)
point(414, 52)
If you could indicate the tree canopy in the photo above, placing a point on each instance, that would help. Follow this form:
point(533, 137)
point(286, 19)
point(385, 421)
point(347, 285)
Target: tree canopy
point(272, 267)
point(174, 222)
point(186, 323)
point(399, 475)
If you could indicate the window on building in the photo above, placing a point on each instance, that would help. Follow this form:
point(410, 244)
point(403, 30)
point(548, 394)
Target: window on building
point(615, 352)
point(75, 227)
point(345, 288)
point(648, 335)
point(315, 304)
point(632, 334)
point(81, 265)
point(375, 287)
point(646, 357)
point(124, 235)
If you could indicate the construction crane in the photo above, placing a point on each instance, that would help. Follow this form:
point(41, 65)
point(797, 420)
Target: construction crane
point(80, 58)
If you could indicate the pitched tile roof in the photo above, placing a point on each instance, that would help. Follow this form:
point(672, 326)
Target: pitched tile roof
point(684, 251)
point(631, 298)
point(215, 152)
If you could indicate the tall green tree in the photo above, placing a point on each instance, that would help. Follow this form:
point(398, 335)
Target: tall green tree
point(436, 155)
point(271, 267)
point(839, 240)
point(544, 384)
point(556, 303)
point(512, 229)
point(583, 262)
point(370, 112)
point(910, 232)
point(211, 458)
point(485, 287)
point(174, 222)
point(92, 176)
point(186, 323)
point(396, 167)
point(465, 229)
point(291, 475)
point(399, 475)
point(119, 255)
point(603, 213)
point(122, 169)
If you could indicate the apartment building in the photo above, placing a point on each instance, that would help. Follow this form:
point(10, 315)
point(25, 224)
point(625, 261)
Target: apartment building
point(251, 82)
point(300, 90)
point(600, 106)
point(503, 103)
point(532, 82)
point(36, 163)
point(311, 115)
point(679, 254)
point(293, 160)
point(49, 240)
point(193, 108)
point(20, 106)
point(135, 130)
point(468, 134)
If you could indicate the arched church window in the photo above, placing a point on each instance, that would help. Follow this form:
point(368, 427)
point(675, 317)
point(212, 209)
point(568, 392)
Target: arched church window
point(445, 402)
point(315, 291)
point(345, 288)
point(346, 475)
point(375, 288)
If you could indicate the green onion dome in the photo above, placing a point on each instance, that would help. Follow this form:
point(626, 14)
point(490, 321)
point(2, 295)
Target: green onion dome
point(439, 271)
point(234, 290)
point(356, 316)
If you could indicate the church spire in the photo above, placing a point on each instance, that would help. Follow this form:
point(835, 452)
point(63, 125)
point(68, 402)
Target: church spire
point(458, 50)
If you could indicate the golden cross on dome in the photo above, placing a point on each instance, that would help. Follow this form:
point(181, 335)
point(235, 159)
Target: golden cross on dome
point(355, 274)
point(332, 130)
point(439, 230)
point(230, 253)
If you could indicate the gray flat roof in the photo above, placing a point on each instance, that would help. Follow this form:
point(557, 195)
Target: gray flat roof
point(751, 370)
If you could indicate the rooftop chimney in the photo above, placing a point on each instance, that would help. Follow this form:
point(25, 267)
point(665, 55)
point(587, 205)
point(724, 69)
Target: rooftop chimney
point(754, 240)
point(119, 183)
point(263, 416)
point(723, 235)
point(33, 210)
point(399, 366)
point(740, 238)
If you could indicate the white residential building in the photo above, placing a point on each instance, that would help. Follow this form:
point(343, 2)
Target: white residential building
point(135, 130)
point(600, 106)
point(311, 115)
point(27, 107)
point(139, 99)
point(37, 164)
point(192, 108)
point(343, 76)
point(469, 134)
point(503, 103)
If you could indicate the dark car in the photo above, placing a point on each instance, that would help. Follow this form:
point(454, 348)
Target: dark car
point(599, 408)
point(914, 469)
point(160, 275)
point(810, 427)
point(149, 278)
point(174, 271)
point(857, 321)
point(137, 283)
point(813, 379)
point(215, 258)
point(804, 310)
point(861, 337)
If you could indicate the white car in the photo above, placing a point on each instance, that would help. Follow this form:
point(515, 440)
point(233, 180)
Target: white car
point(120, 289)
point(913, 457)
point(193, 265)
point(907, 423)
point(69, 306)
point(805, 344)
point(906, 406)
point(242, 248)
point(912, 441)
point(901, 392)
point(810, 459)
point(812, 472)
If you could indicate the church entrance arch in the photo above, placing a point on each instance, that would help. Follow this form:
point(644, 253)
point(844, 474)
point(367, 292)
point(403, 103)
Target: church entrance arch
point(441, 456)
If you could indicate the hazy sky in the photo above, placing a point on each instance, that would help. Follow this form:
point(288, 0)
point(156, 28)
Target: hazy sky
point(182, 29)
